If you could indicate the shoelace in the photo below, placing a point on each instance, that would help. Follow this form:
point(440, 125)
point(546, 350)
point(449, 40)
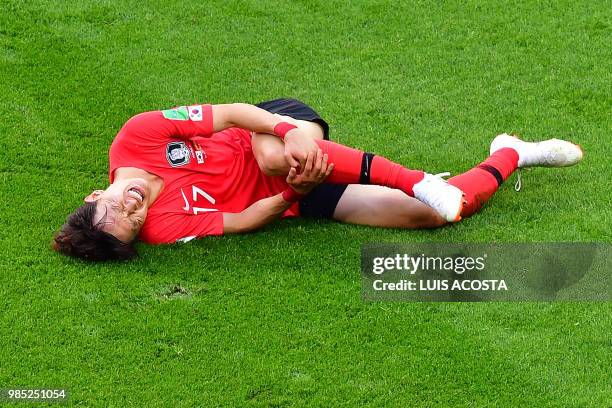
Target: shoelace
point(519, 183)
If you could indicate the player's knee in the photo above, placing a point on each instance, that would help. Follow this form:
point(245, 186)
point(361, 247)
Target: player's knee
point(272, 162)
point(268, 170)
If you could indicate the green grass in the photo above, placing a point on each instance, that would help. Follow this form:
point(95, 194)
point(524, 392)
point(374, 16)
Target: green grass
point(275, 318)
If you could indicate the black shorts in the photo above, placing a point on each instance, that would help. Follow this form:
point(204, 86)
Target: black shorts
point(321, 202)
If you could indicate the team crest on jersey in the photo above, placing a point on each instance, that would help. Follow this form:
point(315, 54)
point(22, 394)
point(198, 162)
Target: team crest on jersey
point(177, 154)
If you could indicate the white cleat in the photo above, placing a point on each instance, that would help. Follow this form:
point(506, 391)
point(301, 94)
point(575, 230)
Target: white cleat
point(446, 199)
point(548, 153)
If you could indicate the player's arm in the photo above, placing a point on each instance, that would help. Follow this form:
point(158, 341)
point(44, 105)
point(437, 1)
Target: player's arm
point(242, 115)
point(257, 215)
point(204, 120)
point(267, 210)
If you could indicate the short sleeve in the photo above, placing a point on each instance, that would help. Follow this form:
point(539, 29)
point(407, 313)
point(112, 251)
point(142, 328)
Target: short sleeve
point(170, 228)
point(183, 121)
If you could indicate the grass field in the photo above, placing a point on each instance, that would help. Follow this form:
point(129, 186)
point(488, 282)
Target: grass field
point(275, 318)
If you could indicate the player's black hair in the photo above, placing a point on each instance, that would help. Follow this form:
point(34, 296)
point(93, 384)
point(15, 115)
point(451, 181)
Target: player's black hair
point(81, 238)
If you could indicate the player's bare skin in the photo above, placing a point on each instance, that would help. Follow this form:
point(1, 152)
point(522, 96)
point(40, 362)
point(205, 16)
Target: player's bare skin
point(360, 204)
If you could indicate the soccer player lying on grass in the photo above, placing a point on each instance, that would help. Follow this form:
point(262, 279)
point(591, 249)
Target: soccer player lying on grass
point(200, 170)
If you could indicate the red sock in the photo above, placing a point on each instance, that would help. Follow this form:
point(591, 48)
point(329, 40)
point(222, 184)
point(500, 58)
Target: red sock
point(386, 173)
point(481, 182)
point(352, 166)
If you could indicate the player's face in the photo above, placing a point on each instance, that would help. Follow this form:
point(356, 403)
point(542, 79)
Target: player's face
point(123, 206)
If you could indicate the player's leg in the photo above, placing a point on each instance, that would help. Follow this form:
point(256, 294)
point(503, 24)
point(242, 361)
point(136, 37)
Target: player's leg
point(380, 206)
point(482, 181)
point(352, 166)
point(476, 185)
point(384, 207)
point(368, 205)
point(507, 154)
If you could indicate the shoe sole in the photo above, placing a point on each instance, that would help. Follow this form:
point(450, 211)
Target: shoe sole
point(457, 216)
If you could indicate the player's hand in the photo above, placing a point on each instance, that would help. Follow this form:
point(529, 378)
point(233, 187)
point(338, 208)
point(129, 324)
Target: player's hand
point(315, 171)
point(297, 146)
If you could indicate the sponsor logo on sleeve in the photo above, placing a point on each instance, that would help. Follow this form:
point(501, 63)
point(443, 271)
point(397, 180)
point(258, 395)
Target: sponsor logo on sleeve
point(179, 113)
point(177, 154)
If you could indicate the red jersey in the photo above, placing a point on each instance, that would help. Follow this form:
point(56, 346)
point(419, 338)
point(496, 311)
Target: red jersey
point(204, 173)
